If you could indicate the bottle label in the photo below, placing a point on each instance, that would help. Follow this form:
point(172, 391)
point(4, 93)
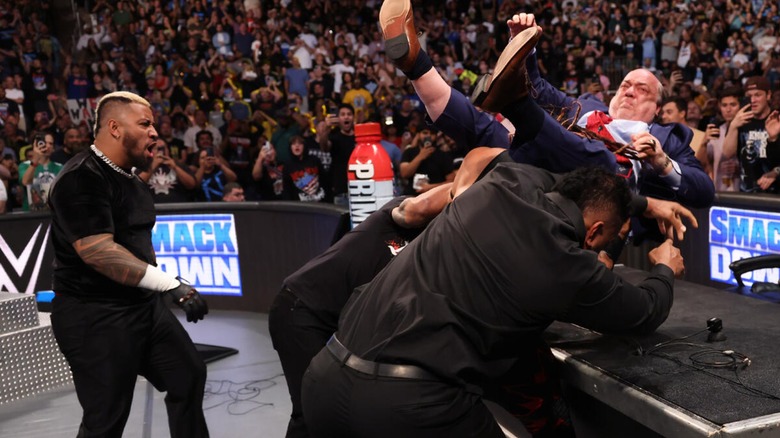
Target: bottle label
point(369, 174)
point(370, 183)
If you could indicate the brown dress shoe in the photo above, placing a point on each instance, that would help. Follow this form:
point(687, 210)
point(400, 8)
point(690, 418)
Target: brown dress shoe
point(397, 21)
point(509, 81)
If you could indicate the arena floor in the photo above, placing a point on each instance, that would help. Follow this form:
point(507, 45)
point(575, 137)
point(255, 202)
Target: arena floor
point(246, 394)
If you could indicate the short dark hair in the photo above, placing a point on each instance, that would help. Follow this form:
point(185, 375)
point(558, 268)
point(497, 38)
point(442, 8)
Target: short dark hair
point(595, 188)
point(679, 102)
point(230, 186)
point(41, 135)
point(347, 106)
point(179, 117)
point(734, 92)
point(204, 132)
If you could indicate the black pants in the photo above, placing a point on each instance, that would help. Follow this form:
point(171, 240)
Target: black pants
point(298, 334)
point(109, 345)
point(341, 402)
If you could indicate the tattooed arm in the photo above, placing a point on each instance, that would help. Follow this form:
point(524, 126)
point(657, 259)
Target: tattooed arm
point(82, 213)
point(111, 259)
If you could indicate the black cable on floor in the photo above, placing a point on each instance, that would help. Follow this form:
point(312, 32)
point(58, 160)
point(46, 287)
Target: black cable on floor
point(241, 396)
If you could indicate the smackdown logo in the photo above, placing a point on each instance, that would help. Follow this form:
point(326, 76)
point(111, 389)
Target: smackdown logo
point(202, 249)
point(737, 234)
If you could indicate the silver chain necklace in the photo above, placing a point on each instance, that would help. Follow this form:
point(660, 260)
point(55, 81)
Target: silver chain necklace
point(108, 161)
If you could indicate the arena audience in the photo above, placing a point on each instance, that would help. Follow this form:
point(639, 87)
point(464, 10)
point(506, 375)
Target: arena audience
point(250, 70)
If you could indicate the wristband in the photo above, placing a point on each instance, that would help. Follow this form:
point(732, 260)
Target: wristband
point(157, 280)
point(777, 170)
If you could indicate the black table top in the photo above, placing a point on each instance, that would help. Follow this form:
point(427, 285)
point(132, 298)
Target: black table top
point(751, 326)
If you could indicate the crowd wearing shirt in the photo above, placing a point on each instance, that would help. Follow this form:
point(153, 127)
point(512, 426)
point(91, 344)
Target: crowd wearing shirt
point(255, 74)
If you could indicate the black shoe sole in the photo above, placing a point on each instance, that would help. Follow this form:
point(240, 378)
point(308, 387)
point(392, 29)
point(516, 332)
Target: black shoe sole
point(397, 48)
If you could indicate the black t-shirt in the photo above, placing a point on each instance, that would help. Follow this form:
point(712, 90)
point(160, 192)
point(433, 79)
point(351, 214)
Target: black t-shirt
point(341, 147)
point(757, 156)
point(237, 153)
point(437, 166)
point(89, 198)
point(484, 280)
point(302, 179)
point(8, 107)
point(176, 147)
point(326, 177)
point(165, 186)
point(401, 121)
point(270, 187)
point(325, 283)
point(60, 156)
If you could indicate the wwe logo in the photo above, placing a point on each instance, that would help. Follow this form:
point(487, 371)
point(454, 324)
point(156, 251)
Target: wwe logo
point(35, 249)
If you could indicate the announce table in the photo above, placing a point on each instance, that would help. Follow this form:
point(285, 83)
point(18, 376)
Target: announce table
point(662, 393)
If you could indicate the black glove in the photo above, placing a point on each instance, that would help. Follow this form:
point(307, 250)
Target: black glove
point(186, 297)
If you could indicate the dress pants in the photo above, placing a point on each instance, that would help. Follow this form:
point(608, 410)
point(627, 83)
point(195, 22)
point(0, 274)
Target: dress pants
point(341, 402)
point(108, 345)
point(469, 127)
point(298, 334)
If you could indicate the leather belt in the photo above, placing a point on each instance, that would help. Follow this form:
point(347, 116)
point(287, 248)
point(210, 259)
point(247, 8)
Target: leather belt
point(360, 365)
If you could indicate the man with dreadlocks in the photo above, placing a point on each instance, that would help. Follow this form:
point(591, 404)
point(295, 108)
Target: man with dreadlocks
point(656, 160)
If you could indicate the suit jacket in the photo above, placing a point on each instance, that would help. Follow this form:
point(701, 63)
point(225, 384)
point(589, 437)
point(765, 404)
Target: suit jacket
point(557, 149)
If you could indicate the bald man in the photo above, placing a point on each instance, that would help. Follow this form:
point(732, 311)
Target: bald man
point(659, 163)
point(108, 315)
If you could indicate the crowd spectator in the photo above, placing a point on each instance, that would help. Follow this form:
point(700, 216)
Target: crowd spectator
point(302, 174)
point(723, 171)
point(424, 165)
point(337, 136)
point(212, 174)
point(676, 111)
point(38, 173)
point(255, 70)
point(200, 123)
point(10, 182)
point(289, 123)
point(233, 192)
point(268, 174)
point(168, 179)
point(8, 107)
point(754, 136)
point(71, 145)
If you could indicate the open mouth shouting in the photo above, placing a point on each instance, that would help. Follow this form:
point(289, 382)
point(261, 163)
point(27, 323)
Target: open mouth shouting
point(150, 149)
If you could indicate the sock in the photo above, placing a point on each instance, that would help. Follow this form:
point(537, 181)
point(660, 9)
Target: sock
point(421, 66)
point(527, 116)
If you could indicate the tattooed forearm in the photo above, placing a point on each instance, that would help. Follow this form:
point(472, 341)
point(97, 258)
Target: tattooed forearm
point(110, 259)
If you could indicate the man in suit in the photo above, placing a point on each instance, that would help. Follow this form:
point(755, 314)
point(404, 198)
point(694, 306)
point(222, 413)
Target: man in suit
point(658, 161)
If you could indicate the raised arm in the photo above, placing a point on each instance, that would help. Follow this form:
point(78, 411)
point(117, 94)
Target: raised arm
point(543, 92)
